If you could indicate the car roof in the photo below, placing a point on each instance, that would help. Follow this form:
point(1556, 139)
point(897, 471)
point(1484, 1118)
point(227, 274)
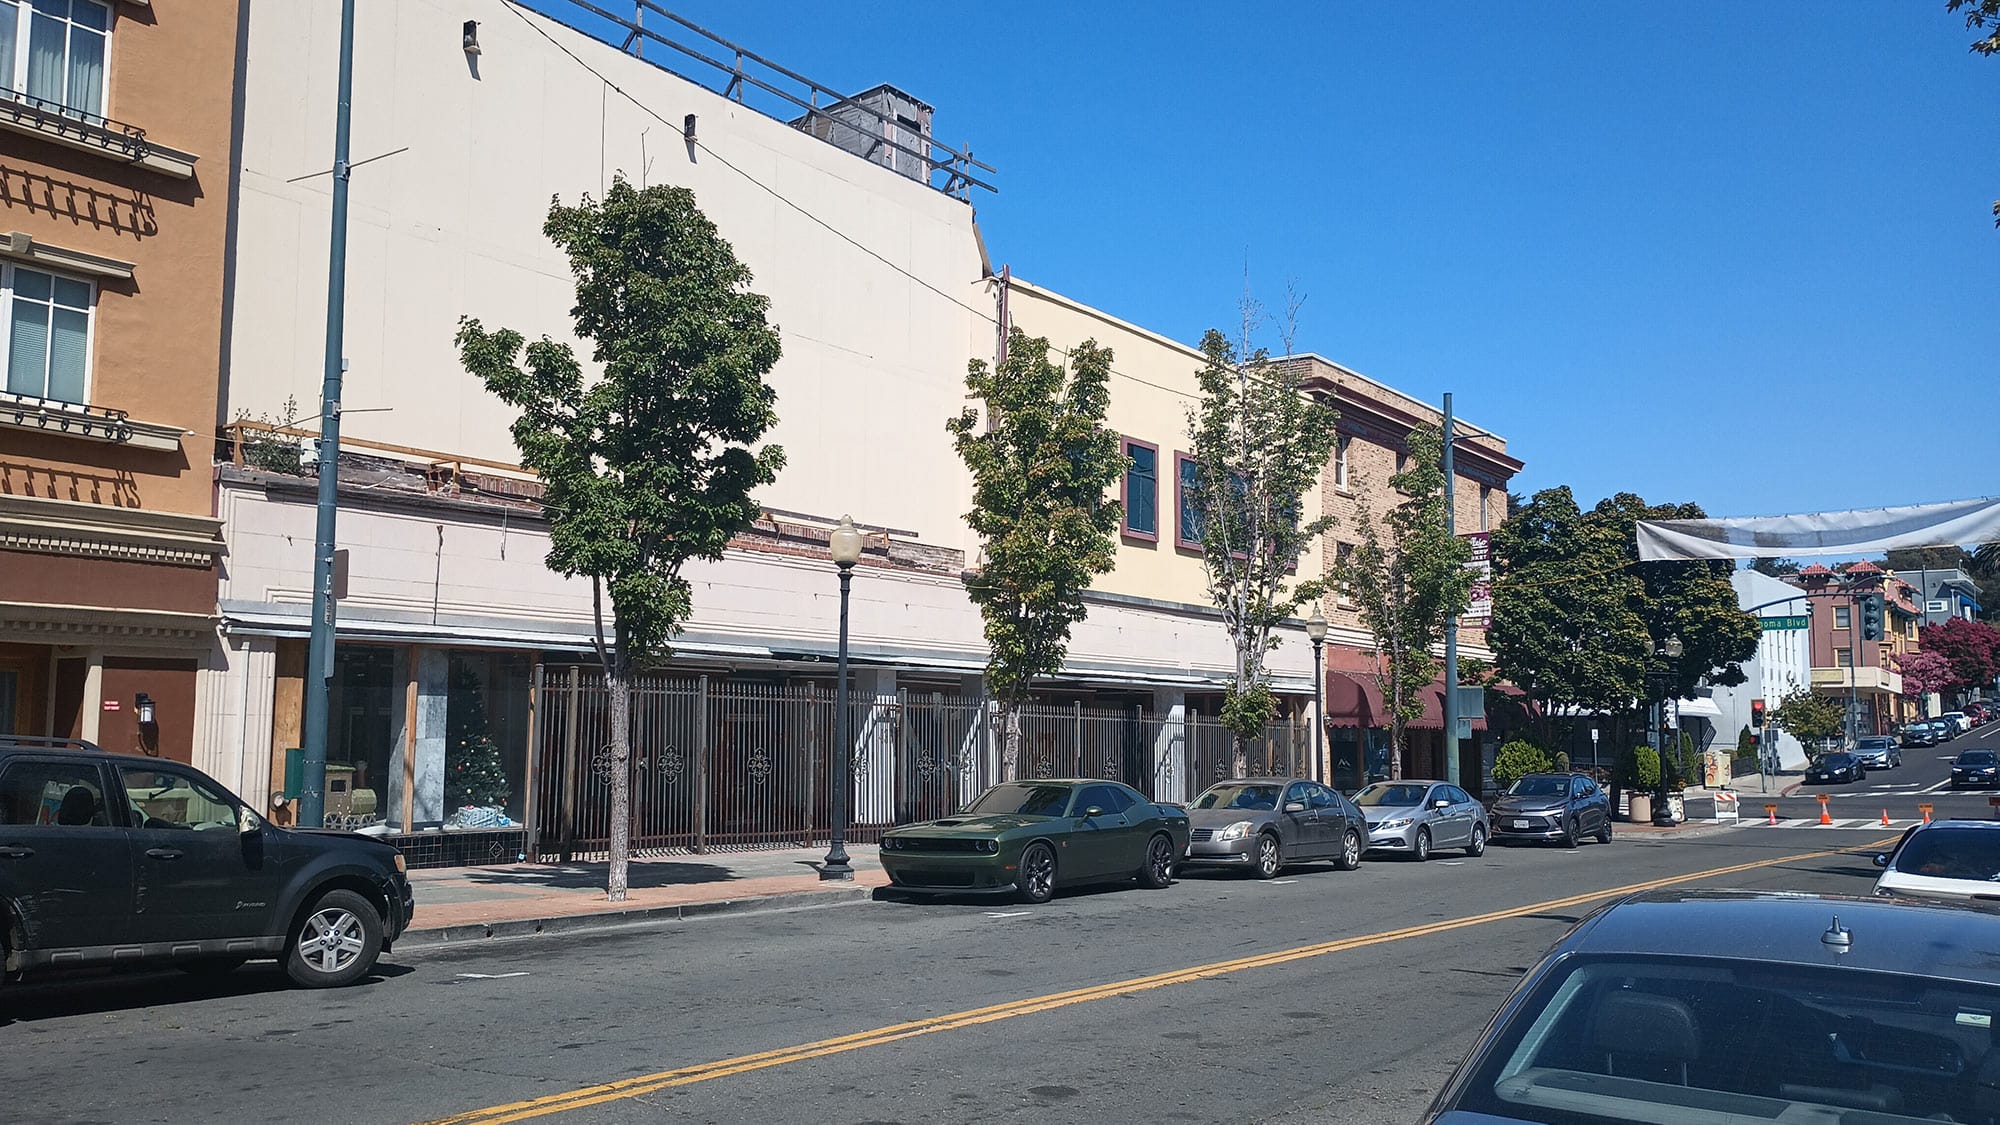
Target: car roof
point(1943, 940)
point(75, 746)
point(1262, 779)
point(1407, 781)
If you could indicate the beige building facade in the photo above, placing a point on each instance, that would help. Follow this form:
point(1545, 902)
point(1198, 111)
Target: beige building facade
point(115, 138)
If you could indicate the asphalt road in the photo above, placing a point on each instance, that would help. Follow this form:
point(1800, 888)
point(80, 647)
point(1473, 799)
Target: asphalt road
point(1322, 996)
point(1923, 778)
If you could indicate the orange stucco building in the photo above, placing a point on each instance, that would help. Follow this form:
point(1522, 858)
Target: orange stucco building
point(116, 127)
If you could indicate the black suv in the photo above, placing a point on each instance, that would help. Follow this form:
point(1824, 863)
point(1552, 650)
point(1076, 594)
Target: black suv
point(114, 858)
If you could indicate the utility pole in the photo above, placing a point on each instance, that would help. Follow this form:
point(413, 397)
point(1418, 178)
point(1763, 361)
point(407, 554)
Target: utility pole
point(319, 654)
point(1450, 623)
point(1853, 673)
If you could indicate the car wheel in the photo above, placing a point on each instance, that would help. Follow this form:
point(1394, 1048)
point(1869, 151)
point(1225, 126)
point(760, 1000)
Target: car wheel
point(1604, 833)
point(211, 966)
point(1037, 881)
point(1422, 851)
point(1570, 838)
point(1477, 847)
point(1159, 869)
point(1350, 851)
point(335, 942)
point(1270, 857)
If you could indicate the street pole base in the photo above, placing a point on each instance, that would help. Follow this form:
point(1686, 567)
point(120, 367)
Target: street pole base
point(836, 872)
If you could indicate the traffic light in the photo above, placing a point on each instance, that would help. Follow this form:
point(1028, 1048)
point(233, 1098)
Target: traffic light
point(1871, 617)
point(1757, 715)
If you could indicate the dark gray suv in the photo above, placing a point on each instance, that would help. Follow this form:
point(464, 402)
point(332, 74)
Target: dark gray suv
point(1564, 807)
point(114, 858)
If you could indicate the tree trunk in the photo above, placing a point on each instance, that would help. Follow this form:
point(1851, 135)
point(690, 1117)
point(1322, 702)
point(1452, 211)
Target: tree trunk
point(618, 681)
point(1010, 740)
point(1239, 758)
point(1397, 737)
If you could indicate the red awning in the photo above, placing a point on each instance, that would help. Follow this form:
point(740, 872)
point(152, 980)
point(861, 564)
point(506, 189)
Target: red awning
point(1354, 700)
point(1433, 716)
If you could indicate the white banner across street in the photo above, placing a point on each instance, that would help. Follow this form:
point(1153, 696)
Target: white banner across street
point(1963, 523)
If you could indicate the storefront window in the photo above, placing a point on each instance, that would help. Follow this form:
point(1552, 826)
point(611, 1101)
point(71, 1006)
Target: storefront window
point(486, 739)
point(361, 744)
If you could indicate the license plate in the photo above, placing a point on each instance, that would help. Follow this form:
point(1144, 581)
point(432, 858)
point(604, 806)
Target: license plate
point(1521, 824)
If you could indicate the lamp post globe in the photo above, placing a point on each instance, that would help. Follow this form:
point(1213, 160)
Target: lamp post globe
point(844, 544)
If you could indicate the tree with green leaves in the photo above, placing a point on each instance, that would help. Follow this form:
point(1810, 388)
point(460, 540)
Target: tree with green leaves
point(1408, 574)
point(650, 463)
point(1260, 445)
point(1043, 464)
point(1517, 759)
point(1565, 629)
point(1808, 716)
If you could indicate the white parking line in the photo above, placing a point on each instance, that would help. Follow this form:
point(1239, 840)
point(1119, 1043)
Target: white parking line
point(1280, 882)
point(489, 976)
point(1940, 785)
point(1008, 913)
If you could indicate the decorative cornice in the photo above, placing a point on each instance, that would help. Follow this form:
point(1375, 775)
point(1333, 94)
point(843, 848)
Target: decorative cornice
point(22, 247)
point(63, 527)
point(86, 423)
point(77, 624)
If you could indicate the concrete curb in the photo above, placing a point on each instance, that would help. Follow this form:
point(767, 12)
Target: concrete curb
point(472, 932)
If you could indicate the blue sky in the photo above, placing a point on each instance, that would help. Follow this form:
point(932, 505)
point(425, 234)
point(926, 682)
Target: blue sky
point(1735, 254)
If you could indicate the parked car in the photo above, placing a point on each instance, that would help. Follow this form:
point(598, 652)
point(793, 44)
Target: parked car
point(1878, 752)
point(123, 859)
point(1917, 735)
point(1745, 1006)
point(1031, 837)
point(1976, 767)
point(1262, 824)
point(1564, 807)
point(1828, 769)
point(1943, 859)
point(1416, 817)
point(1959, 723)
point(1943, 731)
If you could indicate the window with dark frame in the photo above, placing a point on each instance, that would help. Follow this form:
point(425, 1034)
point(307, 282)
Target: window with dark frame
point(1189, 522)
point(1141, 492)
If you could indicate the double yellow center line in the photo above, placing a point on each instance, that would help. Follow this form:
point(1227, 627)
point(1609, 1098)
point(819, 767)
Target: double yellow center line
point(644, 1084)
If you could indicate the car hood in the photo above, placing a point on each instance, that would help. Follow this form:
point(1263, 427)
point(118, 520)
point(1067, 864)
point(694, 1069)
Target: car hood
point(1527, 804)
point(1222, 818)
point(1378, 813)
point(986, 824)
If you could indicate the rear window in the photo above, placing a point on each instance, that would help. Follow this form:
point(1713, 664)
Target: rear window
point(1952, 853)
point(1673, 1040)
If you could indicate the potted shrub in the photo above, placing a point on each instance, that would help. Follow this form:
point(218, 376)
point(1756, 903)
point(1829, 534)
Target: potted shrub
point(1642, 780)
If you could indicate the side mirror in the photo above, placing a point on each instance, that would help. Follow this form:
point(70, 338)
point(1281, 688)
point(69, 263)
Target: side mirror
point(1093, 811)
point(1440, 803)
point(1295, 806)
point(1881, 859)
point(247, 823)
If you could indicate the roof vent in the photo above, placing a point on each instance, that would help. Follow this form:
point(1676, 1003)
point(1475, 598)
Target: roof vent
point(1837, 937)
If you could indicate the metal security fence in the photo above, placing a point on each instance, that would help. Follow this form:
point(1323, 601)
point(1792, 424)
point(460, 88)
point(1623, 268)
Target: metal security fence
point(721, 765)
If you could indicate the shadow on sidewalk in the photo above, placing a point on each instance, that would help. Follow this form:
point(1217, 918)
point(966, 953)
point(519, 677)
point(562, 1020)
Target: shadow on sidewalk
point(592, 876)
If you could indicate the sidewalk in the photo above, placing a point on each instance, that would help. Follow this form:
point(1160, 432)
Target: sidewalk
point(463, 904)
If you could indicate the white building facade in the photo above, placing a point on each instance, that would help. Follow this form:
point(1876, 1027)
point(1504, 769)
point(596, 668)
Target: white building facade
point(1782, 665)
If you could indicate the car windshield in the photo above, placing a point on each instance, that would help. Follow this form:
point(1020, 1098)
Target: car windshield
point(1390, 795)
point(1835, 761)
point(1977, 758)
point(1631, 1039)
point(1952, 853)
point(1874, 744)
point(1539, 787)
point(1256, 798)
point(1023, 800)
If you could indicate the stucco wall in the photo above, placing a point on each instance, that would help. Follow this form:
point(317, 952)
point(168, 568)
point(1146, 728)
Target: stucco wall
point(451, 226)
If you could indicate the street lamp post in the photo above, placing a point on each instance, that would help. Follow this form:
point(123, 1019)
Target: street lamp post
point(1669, 650)
point(845, 546)
point(1316, 632)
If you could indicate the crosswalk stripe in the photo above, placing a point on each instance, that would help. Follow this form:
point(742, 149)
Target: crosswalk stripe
point(1813, 822)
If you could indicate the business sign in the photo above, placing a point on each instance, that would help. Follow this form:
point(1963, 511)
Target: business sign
point(1772, 624)
point(1479, 611)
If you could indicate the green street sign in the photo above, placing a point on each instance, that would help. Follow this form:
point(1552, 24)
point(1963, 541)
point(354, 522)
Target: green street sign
point(1771, 623)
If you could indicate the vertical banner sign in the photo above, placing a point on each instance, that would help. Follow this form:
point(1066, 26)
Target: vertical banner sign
point(1479, 611)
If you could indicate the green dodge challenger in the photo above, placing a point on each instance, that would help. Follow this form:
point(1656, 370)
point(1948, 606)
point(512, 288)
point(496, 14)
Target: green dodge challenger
point(1030, 837)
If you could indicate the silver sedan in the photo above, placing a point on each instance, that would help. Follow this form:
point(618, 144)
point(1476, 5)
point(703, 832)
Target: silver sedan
point(1417, 817)
point(1262, 824)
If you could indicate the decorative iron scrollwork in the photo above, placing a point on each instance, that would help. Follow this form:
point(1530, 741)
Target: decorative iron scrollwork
point(760, 766)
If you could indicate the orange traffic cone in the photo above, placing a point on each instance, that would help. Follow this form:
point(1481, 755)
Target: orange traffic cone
point(1885, 818)
point(1823, 818)
point(1772, 812)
